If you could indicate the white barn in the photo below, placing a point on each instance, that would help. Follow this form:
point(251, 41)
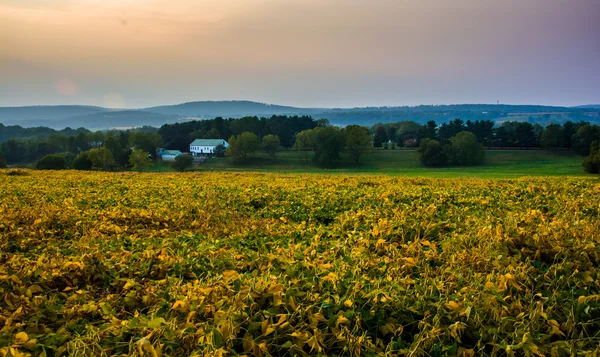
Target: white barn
point(169, 155)
point(206, 147)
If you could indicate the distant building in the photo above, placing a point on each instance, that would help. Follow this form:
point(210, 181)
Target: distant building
point(169, 155)
point(206, 147)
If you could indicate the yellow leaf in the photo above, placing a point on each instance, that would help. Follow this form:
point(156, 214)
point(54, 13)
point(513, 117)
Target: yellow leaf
point(180, 305)
point(453, 306)
point(21, 338)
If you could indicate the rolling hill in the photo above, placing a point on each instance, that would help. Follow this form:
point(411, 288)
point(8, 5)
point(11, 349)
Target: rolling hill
point(96, 118)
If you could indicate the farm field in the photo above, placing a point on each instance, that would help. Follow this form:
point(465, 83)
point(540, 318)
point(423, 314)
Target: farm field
point(499, 164)
point(263, 264)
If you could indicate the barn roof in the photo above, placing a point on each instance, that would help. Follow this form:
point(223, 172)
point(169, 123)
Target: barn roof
point(207, 142)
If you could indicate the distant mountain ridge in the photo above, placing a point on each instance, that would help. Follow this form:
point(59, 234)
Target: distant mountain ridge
point(233, 108)
point(96, 118)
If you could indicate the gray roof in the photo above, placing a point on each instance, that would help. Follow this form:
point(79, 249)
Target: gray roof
point(207, 142)
point(171, 152)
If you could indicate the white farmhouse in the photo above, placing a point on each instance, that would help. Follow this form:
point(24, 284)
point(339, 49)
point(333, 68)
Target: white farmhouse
point(206, 147)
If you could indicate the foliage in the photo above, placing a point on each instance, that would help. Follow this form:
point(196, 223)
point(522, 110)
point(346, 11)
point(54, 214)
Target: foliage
point(101, 158)
point(2, 160)
point(182, 162)
point(328, 144)
point(465, 150)
point(270, 144)
point(357, 141)
point(552, 137)
point(304, 142)
point(220, 150)
point(148, 142)
point(82, 162)
point(274, 265)
point(240, 146)
point(380, 137)
point(591, 163)
point(432, 153)
point(52, 162)
point(140, 160)
point(583, 138)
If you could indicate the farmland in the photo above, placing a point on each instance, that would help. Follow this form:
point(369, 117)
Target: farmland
point(262, 264)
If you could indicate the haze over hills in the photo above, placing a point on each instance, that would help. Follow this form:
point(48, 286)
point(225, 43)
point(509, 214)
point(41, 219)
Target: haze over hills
point(95, 118)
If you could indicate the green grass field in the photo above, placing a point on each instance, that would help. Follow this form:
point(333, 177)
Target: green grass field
point(499, 163)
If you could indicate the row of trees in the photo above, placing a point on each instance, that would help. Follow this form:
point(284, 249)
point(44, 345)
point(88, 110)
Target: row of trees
point(178, 136)
point(577, 136)
point(325, 142)
point(120, 145)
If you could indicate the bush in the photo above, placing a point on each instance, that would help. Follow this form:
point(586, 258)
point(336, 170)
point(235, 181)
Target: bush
point(432, 153)
point(386, 146)
point(52, 162)
point(393, 146)
point(591, 163)
point(17, 172)
point(182, 162)
point(82, 162)
point(220, 150)
point(2, 160)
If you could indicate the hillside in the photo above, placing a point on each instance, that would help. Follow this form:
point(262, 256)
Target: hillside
point(59, 117)
point(19, 115)
point(211, 109)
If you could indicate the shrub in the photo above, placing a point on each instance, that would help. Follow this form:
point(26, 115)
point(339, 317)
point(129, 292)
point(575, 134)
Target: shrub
point(2, 160)
point(82, 162)
point(52, 162)
point(182, 162)
point(432, 153)
point(220, 150)
point(591, 163)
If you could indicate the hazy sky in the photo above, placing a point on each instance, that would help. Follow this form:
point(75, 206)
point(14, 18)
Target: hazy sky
point(327, 53)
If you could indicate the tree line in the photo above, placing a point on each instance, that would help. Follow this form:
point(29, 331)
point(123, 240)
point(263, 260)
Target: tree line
point(446, 144)
point(509, 134)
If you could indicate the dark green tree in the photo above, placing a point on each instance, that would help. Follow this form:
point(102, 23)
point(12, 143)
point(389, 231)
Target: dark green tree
point(82, 162)
point(591, 163)
point(552, 137)
point(329, 142)
point(465, 150)
point(220, 150)
point(182, 162)
point(52, 162)
point(357, 141)
point(381, 136)
point(584, 137)
point(432, 154)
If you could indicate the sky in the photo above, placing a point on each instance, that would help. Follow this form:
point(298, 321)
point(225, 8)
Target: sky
point(306, 53)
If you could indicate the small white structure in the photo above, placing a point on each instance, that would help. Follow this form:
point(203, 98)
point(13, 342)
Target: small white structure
point(206, 147)
point(169, 155)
